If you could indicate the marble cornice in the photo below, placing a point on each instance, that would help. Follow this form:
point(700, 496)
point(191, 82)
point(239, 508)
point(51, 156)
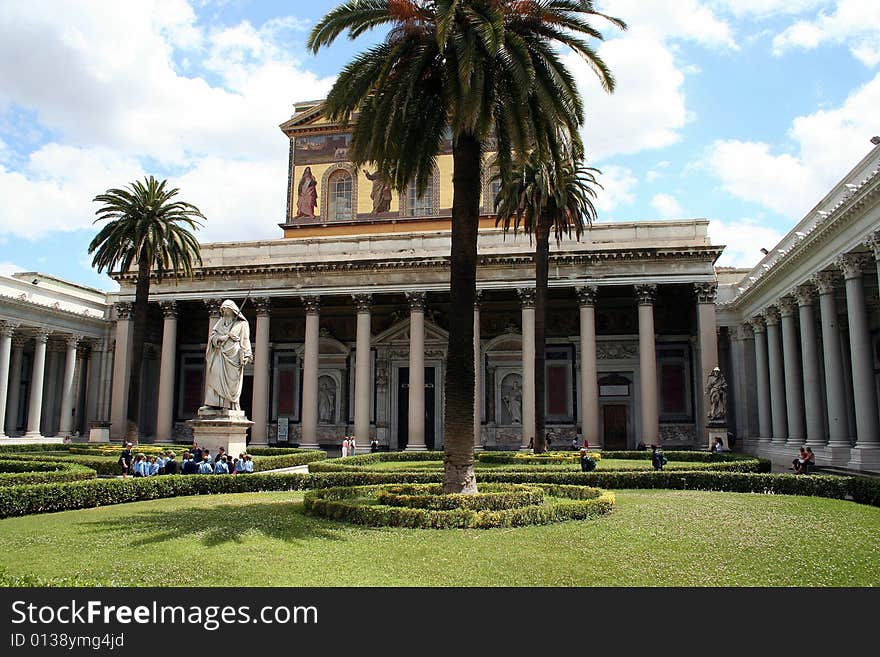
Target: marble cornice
point(50, 310)
point(440, 263)
point(821, 232)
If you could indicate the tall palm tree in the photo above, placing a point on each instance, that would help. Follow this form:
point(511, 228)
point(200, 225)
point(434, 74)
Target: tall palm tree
point(541, 197)
point(148, 228)
point(487, 69)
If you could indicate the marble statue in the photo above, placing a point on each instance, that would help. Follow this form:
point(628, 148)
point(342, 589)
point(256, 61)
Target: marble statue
point(513, 402)
point(716, 392)
point(326, 401)
point(381, 192)
point(229, 351)
point(307, 200)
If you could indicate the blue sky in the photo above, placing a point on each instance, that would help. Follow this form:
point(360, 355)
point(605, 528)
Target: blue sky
point(744, 112)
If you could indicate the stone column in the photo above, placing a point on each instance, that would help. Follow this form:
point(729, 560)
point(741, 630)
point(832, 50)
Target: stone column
point(80, 387)
point(165, 412)
point(589, 373)
point(866, 452)
point(706, 294)
point(416, 439)
point(51, 377)
point(309, 438)
point(35, 408)
point(835, 384)
point(362, 388)
point(65, 426)
point(794, 388)
point(121, 357)
point(762, 380)
point(6, 331)
point(815, 423)
point(527, 300)
point(478, 375)
point(778, 411)
point(646, 293)
point(92, 383)
point(260, 403)
point(873, 243)
point(14, 385)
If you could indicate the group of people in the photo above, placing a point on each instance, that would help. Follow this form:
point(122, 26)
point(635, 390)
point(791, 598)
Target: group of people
point(349, 446)
point(805, 461)
point(197, 461)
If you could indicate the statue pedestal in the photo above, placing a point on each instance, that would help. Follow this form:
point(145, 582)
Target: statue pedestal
point(220, 427)
point(99, 432)
point(719, 430)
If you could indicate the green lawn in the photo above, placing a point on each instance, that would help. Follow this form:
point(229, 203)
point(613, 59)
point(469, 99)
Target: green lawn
point(667, 538)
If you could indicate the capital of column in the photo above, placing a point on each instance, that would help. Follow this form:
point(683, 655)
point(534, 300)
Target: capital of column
point(824, 281)
point(42, 335)
point(213, 306)
point(312, 304)
point(7, 329)
point(169, 309)
point(706, 292)
point(526, 297)
point(416, 301)
point(83, 349)
point(364, 302)
point(805, 294)
point(771, 316)
point(873, 243)
point(851, 264)
point(787, 306)
point(263, 306)
point(123, 310)
point(646, 293)
point(72, 340)
point(19, 342)
point(586, 295)
point(742, 332)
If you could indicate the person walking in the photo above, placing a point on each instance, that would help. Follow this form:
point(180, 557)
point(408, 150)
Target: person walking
point(125, 460)
point(345, 447)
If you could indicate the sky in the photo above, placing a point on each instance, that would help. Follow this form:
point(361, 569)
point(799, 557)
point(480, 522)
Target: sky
point(743, 112)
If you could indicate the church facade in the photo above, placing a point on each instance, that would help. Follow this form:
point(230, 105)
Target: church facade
point(347, 311)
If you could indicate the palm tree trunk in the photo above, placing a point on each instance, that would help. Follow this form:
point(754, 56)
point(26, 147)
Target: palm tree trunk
point(459, 386)
point(542, 265)
point(141, 305)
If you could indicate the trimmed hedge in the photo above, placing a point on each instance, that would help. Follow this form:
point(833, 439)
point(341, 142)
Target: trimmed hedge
point(35, 447)
point(292, 459)
point(355, 504)
point(22, 473)
point(864, 490)
point(493, 497)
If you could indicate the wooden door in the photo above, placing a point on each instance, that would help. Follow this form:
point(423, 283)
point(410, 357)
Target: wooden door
point(614, 426)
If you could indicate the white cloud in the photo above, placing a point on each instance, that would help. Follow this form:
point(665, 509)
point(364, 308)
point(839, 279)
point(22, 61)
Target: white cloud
point(854, 23)
point(826, 142)
point(9, 268)
point(105, 83)
point(657, 172)
point(682, 19)
point(667, 205)
point(766, 8)
point(618, 184)
point(743, 240)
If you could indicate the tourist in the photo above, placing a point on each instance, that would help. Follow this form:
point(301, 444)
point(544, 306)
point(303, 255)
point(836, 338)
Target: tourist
point(221, 454)
point(171, 465)
point(205, 466)
point(352, 447)
point(221, 466)
point(153, 467)
point(798, 462)
point(196, 452)
point(248, 463)
point(574, 444)
point(189, 465)
point(718, 445)
point(588, 463)
point(374, 445)
point(160, 461)
point(125, 460)
point(139, 469)
point(641, 446)
point(658, 458)
point(586, 444)
point(345, 447)
point(808, 463)
point(207, 452)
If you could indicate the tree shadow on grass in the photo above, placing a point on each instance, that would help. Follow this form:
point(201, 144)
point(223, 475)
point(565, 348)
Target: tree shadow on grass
point(226, 523)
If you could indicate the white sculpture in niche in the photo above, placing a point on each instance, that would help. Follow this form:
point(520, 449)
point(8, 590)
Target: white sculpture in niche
point(326, 400)
point(511, 395)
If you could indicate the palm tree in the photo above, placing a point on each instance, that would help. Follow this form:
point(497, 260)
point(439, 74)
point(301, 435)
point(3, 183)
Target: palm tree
point(487, 69)
point(148, 228)
point(541, 197)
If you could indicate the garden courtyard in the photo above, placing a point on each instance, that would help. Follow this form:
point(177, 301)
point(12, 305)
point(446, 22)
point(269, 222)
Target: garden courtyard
point(206, 531)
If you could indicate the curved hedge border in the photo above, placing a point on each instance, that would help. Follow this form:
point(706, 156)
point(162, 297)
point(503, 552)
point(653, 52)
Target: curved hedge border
point(46, 498)
point(22, 473)
point(355, 504)
point(494, 497)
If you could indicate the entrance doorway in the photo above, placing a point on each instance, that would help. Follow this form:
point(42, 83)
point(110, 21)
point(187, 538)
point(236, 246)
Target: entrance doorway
point(403, 407)
point(614, 426)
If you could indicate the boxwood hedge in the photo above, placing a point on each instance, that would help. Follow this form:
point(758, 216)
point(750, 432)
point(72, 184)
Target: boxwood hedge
point(17, 473)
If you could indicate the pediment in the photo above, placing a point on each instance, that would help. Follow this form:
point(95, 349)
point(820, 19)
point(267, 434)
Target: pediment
point(399, 332)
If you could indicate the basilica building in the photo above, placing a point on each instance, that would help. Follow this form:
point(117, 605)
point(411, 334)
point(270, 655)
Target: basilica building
point(348, 307)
